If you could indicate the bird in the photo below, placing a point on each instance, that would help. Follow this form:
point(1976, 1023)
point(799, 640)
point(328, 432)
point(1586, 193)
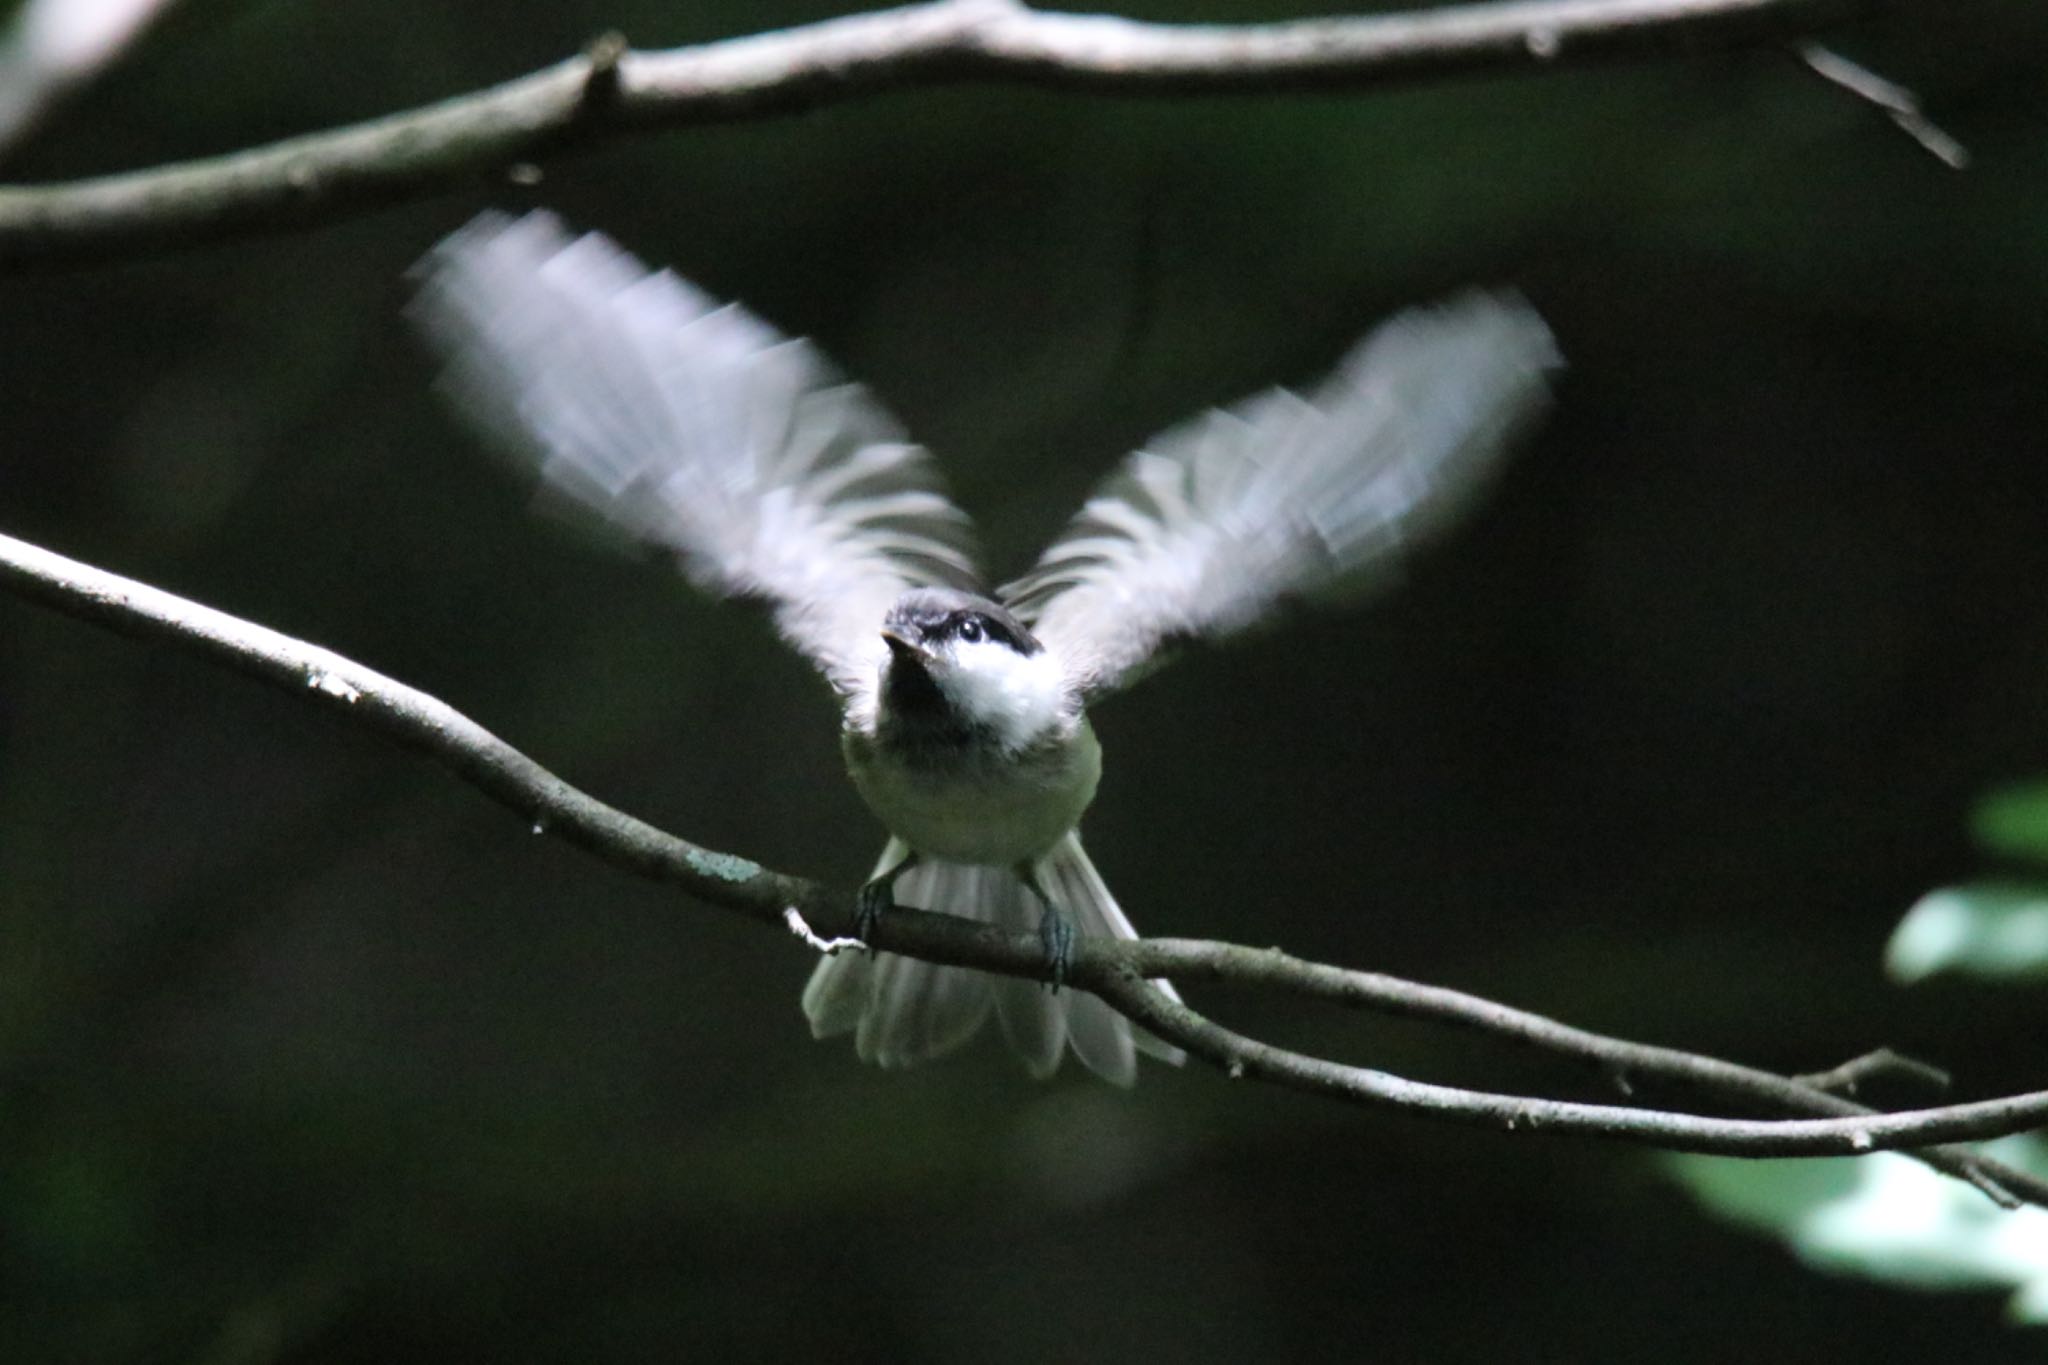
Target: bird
point(692, 425)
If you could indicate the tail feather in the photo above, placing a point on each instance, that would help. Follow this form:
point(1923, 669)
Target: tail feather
point(902, 1011)
point(918, 1010)
point(1035, 1029)
point(1070, 879)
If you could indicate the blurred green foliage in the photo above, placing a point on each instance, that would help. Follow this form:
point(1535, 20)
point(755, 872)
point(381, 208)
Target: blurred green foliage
point(1995, 929)
point(308, 1054)
point(1984, 929)
point(2012, 822)
point(1891, 1219)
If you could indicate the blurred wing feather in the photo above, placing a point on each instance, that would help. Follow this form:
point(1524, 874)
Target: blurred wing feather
point(1288, 495)
point(696, 427)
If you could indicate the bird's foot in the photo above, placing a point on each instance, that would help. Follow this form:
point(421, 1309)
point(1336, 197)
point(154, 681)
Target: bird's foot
point(878, 898)
point(1056, 935)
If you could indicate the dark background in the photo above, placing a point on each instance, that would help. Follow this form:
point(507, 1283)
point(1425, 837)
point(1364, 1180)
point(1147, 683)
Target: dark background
point(310, 1053)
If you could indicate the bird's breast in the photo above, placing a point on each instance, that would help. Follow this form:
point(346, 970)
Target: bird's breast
point(972, 804)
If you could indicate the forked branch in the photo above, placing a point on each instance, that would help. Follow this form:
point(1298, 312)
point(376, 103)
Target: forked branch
point(1117, 971)
point(324, 176)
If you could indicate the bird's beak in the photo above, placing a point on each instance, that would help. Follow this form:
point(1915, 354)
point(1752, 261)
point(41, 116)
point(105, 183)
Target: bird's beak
point(904, 652)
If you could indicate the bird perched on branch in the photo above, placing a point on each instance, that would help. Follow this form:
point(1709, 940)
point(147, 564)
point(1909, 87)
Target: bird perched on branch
point(695, 426)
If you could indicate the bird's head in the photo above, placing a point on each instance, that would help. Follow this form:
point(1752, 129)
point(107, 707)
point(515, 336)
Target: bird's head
point(962, 664)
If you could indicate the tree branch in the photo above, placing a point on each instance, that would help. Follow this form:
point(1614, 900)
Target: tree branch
point(1621, 1060)
point(1899, 104)
point(1114, 970)
point(328, 175)
point(1871, 1065)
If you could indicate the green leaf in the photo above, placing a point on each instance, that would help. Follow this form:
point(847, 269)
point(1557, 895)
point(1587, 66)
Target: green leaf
point(1889, 1218)
point(1985, 929)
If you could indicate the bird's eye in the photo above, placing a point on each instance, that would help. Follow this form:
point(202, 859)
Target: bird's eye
point(970, 631)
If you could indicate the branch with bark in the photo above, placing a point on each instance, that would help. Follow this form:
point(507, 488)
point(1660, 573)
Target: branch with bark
point(1116, 971)
point(325, 176)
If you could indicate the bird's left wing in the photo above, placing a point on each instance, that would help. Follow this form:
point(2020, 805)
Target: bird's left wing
point(696, 427)
point(1289, 495)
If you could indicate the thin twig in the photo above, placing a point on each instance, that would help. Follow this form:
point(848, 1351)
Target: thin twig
point(1188, 960)
point(324, 176)
point(1240, 1057)
point(1899, 104)
point(1114, 970)
point(1843, 1079)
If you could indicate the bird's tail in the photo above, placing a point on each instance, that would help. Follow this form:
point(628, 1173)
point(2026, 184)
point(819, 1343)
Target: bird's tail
point(902, 1011)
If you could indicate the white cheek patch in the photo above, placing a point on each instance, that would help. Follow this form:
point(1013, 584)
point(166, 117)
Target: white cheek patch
point(1017, 696)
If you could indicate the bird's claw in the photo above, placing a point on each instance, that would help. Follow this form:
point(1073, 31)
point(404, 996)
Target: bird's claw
point(1056, 935)
point(877, 898)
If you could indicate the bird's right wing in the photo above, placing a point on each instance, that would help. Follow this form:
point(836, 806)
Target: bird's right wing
point(696, 427)
point(1287, 496)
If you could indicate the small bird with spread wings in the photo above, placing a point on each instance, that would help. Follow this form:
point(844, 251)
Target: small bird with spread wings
point(695, 426)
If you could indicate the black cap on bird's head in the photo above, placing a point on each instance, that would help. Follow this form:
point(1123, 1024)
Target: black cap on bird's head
point(926, 622)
